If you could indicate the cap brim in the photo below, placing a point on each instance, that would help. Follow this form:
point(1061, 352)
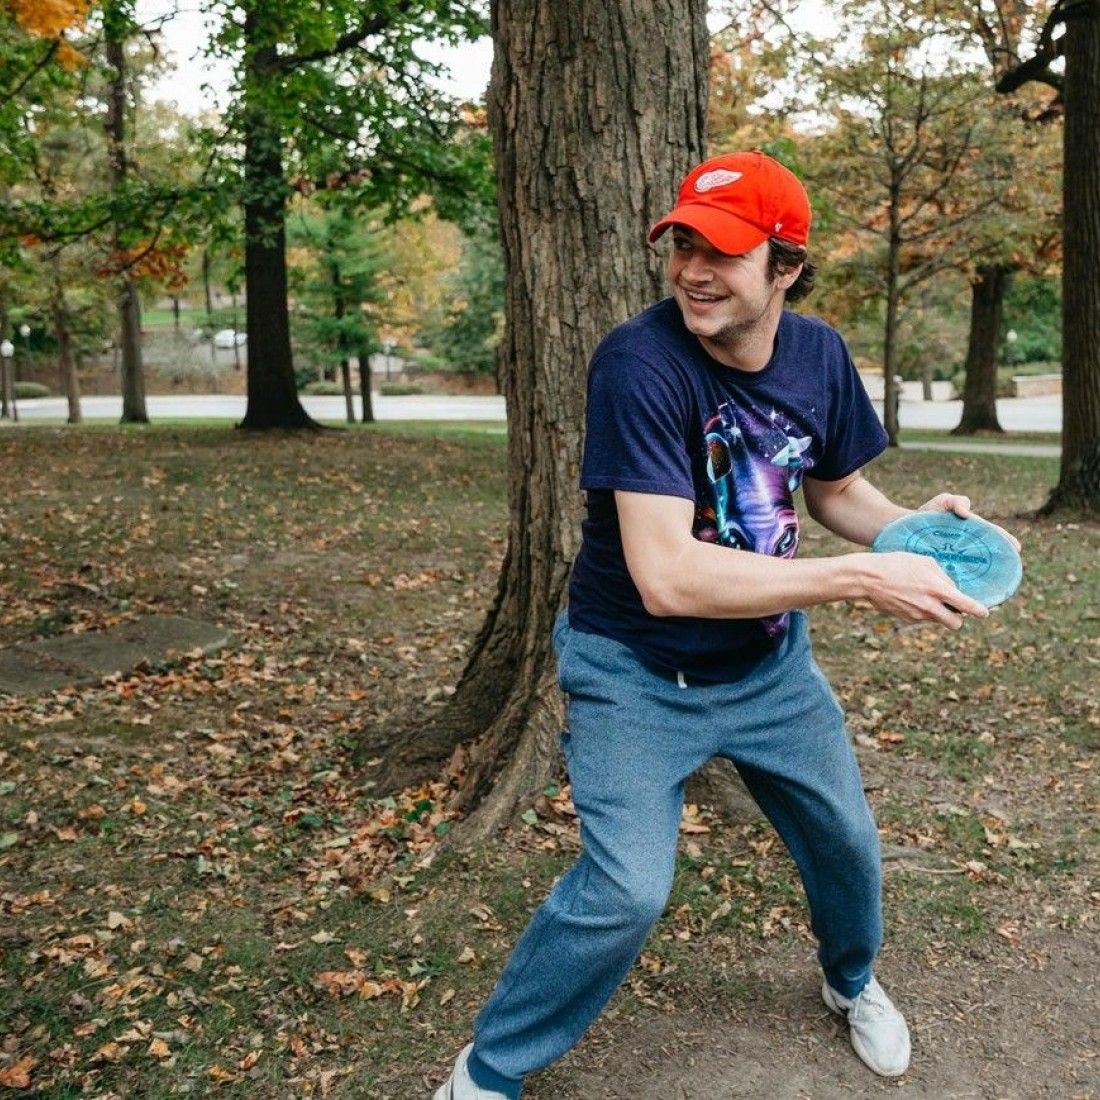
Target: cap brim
point(727, 232)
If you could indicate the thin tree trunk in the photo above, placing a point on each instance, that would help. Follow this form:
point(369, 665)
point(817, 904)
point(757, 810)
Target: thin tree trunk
point(891, 390)
point(236, 329)
point(339, 310)
point(272, 394)
point(1078, 487)
point(594, 124)
point(367, 416)
point(349, 390)
point(5, 365)
point(987, 295)
point(129, 308)
point(70, 381)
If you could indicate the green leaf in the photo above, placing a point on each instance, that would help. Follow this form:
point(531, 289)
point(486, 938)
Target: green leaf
point(530, 817)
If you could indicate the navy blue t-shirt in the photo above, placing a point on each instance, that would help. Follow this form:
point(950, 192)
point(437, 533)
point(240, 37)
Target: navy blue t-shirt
point(665, 417)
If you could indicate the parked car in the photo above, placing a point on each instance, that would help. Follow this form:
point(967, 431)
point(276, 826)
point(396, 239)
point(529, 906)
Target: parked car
point(229, 338)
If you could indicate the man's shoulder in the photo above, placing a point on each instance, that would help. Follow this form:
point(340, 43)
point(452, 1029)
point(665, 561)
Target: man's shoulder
point(808, 326)
point(654, 331)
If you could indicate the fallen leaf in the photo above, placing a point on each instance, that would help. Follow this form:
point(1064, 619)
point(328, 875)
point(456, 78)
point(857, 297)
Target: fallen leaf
point(18, 1076)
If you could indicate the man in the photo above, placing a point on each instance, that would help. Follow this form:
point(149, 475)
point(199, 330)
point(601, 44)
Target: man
point(705, 413)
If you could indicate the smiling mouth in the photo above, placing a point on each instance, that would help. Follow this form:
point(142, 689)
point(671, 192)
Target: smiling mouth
point(696, 298)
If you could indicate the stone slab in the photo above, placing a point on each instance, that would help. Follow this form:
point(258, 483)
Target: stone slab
point(76, 660)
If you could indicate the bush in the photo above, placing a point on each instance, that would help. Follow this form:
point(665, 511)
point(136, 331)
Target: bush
point(30, 389)
point(399, 389)
point(324, 389)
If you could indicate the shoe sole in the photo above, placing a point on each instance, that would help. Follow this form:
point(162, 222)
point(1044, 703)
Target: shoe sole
point(857, 1042)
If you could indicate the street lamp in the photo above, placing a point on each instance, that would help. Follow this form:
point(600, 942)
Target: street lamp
point(7, 350)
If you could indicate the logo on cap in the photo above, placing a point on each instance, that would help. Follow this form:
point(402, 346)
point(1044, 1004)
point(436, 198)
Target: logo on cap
point(718, 177)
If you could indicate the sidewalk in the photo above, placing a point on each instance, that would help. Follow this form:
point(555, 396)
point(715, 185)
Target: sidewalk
point(1017, 414)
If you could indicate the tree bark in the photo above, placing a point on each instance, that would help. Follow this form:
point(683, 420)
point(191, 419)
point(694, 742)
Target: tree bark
point(128, 305)
point(1078, 488)
point(597, 110)
point(891, 392)
point(272, 394)
point(363, 358)
point(208, 300)
point(979, 411)
point(5, 365)
point(70, 380)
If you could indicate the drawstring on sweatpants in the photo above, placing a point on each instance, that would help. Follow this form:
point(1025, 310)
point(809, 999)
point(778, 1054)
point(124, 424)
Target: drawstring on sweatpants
point(680, 680)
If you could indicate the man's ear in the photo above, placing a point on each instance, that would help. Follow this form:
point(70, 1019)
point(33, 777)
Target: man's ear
point(787, 277)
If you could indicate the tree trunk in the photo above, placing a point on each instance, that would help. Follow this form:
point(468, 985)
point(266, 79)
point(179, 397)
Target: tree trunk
point(364, 384)
point(272, 394)
point(1078, 487)
point(70, 380)
point(206, 286)
point(987, 296)
point(338, 311)
point(129, 307)
point(891, 393)
point(5, 365)
point(597, 110)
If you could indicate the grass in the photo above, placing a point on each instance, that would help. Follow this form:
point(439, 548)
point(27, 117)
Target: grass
point(178, 868)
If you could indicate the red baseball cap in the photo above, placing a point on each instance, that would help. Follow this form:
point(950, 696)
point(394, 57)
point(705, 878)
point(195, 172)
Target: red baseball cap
point(738, 201)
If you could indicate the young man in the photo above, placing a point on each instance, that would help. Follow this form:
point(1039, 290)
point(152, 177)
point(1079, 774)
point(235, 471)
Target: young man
point(705, 413)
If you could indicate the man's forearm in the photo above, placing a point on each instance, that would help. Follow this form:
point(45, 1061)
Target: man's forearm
point(714, 581)
point(857, 512)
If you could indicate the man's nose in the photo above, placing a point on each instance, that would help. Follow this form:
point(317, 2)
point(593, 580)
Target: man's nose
point(696, 269)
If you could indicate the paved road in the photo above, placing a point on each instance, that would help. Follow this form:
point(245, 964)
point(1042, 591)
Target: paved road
point(1017, 414)
point(220, 406)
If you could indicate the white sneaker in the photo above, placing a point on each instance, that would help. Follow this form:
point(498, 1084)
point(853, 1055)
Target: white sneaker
point(461, 1086)
point(878, 1031)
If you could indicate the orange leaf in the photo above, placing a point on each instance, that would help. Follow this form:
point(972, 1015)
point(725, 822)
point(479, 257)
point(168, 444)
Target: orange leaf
point(19, 1075)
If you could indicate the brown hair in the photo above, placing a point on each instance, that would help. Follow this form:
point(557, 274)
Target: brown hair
point(783, 257)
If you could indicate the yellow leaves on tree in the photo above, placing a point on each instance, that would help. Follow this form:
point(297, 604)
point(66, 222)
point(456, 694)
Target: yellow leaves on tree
point(48, 18)
point(162, 263)
point(51, 19)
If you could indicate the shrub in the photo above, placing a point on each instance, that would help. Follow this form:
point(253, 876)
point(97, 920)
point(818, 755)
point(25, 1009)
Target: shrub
point(399, 389)
point(30, 389)
point(324, 389)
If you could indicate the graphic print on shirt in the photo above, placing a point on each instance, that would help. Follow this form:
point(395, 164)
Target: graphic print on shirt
point(755, 462)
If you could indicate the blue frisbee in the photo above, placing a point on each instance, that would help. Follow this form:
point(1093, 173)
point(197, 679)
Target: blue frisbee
point(976, 555)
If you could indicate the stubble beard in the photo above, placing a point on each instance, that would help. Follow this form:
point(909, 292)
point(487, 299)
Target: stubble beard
point(736, 334)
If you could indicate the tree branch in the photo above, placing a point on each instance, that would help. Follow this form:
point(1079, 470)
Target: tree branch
point(372, 24)
point(1048, 49)
point(42, 63)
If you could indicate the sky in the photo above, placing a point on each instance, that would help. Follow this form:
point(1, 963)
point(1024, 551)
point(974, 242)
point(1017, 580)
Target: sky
point(197, 84)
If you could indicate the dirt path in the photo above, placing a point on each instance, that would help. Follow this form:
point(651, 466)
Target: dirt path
point(989, 1030)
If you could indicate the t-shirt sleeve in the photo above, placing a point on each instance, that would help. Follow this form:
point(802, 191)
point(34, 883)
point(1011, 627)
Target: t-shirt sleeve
point(855, 434)
point(636, 437)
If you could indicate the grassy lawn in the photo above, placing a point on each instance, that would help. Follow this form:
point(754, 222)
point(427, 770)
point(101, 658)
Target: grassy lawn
point(204, 892)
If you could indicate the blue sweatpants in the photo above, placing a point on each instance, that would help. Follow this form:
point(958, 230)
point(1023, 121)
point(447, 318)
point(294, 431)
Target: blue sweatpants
point(633, 737)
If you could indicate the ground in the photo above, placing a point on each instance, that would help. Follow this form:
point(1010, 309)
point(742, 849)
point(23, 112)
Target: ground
point(203, 891)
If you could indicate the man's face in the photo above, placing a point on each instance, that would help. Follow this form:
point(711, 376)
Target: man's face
point(722, 298)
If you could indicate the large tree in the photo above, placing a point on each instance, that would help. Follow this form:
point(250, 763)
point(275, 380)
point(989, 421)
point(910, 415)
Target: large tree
point(328, 94)
point(1078, 487)
point(915, 162)
point(597, 109)
point(1026, 237)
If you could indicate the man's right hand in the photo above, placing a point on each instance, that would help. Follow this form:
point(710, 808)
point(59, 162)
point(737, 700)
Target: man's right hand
point(915, 588)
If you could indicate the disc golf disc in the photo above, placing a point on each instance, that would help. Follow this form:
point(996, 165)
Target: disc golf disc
point(978, 556)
